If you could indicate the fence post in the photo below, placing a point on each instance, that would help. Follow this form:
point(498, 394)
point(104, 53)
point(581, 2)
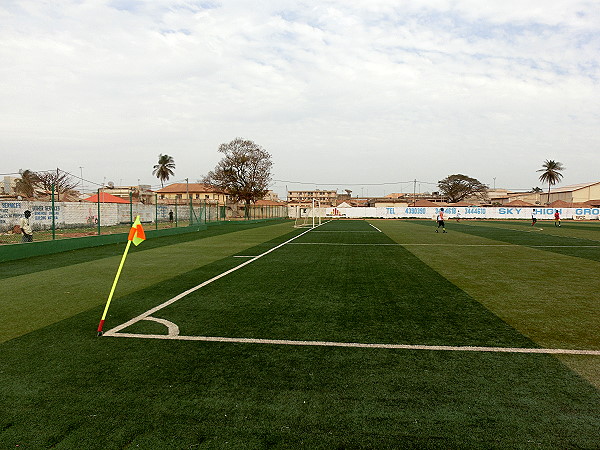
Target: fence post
point(98, 211)
point(130, 208)
point(53, 219)
point(176, 215)
point(156, 212)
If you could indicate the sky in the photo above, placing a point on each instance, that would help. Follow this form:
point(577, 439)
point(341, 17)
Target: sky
point(366, 95)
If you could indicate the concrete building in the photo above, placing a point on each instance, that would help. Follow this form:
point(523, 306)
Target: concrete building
point(7, 187)
point(576, 193)
point(182, 193)
point(305, 198)
point(138, 194)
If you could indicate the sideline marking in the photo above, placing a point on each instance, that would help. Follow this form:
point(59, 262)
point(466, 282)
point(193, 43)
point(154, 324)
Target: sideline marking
point(551, 351)
point(143, 316)
point(345, 231)
point(451, 245)
point(378, 230)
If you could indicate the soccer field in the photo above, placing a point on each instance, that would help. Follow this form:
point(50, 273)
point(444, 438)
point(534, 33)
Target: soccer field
point(354, 334)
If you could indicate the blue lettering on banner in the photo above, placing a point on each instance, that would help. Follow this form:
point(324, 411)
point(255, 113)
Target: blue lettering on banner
point(588, 211)
point(415, 210)
point(446, 210)
point(475, 210)
point(390, 210)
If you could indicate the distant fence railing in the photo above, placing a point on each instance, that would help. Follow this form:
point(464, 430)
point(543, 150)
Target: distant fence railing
point(57, 220)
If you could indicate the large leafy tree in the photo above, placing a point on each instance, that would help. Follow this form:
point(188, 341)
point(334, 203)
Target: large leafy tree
point(244, 172)
point(164, 169)
point(551, 173)
point(457, 187)
point(27, 184)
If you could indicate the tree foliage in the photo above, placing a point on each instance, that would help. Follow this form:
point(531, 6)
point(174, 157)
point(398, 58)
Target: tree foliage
point(164, 169)
point(28, 183)
point(59, 181)
point(458, 187)
point(34, 184)
point(244, 172)
point(551, 173)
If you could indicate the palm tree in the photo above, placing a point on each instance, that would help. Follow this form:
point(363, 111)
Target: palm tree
point(164, 169)
point(551, 173)
point(27, 184)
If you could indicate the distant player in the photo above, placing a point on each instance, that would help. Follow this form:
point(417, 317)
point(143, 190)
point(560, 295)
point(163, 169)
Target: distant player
point(533, 217)
point(440, 221)
point(557, 219)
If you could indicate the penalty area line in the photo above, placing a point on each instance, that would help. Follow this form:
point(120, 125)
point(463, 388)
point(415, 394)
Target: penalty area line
point(454, 348)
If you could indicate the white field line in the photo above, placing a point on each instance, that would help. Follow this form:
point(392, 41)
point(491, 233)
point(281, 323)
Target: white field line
point(148, 313)
point(244, 256)
point(344, 232)
point(378, 230)
point(550, 351)
point(450, 245)
point(171, 327)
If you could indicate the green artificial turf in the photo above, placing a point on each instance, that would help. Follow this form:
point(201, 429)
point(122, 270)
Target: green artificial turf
point(68, 283)
point(66, 388)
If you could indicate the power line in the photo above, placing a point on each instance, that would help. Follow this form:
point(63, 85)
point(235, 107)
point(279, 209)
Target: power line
point(356, 184)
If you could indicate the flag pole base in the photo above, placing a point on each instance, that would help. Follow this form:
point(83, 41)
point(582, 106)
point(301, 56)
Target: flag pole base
point(100, 333)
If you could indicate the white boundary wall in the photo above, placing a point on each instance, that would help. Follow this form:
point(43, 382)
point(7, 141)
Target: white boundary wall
point(70, 214)
point(463, 212)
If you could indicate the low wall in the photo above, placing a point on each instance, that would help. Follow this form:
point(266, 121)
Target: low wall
point(463, 212)
point(13, 252)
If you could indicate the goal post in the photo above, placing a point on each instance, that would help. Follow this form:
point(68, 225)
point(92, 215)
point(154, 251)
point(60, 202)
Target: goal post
point(307, 217)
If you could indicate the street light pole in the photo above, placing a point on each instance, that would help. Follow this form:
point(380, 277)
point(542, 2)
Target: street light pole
point(81, 171)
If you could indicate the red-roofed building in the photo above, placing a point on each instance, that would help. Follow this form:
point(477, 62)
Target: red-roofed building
point(105, 198)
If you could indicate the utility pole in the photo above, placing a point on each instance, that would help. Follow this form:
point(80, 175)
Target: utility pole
point(415, 193)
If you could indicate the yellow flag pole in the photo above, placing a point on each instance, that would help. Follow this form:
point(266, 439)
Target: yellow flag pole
point(112, 291)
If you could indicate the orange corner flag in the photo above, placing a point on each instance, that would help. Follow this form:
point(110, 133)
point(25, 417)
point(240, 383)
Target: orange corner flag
point(136, 234)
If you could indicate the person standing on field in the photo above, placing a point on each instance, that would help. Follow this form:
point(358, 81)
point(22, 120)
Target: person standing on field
point(26, 228)
point(533, 217)
point(440, 221)
point(557, 219)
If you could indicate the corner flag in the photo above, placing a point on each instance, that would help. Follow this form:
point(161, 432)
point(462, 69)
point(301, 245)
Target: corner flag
point(137, 236)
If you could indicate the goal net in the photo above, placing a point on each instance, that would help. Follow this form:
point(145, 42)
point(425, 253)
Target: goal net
point(307, 217)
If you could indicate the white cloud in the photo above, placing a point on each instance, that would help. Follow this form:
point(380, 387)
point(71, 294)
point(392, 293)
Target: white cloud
point(359, 91)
